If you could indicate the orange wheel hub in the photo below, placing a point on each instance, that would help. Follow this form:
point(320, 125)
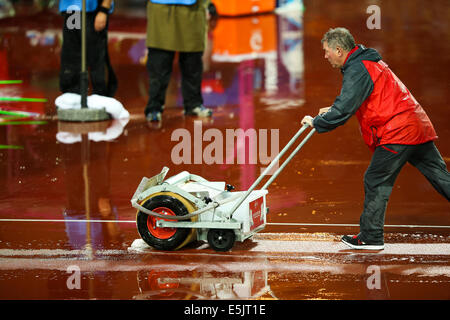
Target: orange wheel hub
point(157, 232)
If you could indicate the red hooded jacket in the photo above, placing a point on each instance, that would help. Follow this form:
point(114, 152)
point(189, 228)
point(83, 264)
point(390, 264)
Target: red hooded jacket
point(387, 112)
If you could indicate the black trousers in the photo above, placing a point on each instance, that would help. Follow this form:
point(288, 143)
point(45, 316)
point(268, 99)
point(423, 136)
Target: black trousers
point(386, 163)
point(102, 76)
point(159, 67)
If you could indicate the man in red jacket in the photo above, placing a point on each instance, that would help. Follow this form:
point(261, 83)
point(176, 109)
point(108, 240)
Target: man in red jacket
point(392, 123)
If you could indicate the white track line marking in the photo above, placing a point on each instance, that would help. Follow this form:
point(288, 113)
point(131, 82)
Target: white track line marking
point(68, 220)
point(239, 267)
point(268, 247)
point(57, 252)
point(355, 225)
point(268, 224)
point(338, 247)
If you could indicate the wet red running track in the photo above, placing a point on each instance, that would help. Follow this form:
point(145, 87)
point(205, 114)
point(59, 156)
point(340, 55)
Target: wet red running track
point(65, 201)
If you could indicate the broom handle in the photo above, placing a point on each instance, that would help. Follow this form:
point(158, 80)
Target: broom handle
point(83, 75)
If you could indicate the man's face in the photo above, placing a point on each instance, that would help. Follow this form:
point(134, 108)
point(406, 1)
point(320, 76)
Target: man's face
point(334, 56)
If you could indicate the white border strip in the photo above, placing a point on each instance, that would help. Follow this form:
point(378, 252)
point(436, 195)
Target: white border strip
point(356, 225)
point(268, 224)
point(62, 220)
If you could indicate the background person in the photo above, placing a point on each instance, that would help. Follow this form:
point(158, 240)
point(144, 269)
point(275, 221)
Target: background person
point(176, 26)
point(103, 78)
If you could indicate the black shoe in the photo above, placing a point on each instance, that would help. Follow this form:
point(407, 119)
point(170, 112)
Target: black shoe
point(355, 243)
point(199, 111)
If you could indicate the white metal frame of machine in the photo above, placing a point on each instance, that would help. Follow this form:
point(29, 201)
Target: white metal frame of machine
point(219, 211)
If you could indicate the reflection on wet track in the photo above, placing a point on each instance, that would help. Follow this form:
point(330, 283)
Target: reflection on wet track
point(270, 266)
point(68, 231)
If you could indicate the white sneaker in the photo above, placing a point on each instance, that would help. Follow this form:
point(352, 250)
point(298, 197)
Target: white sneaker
point(199, 111)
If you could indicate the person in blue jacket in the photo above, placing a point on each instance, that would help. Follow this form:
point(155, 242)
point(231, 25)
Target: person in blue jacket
point(103, 78)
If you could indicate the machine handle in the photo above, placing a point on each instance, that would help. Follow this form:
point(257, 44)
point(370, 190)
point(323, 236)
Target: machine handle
point(288, 159)
point(273, 162)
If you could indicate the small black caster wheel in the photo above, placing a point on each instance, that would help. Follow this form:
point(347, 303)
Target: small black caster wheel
point(221, 239)
point(229, 187)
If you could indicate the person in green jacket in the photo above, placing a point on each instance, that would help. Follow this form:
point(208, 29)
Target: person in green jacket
point(176, 26)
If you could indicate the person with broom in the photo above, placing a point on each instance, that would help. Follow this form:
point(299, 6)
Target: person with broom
point(103, 78)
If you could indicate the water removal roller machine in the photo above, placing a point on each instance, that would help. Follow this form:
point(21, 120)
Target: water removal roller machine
point(186, 207)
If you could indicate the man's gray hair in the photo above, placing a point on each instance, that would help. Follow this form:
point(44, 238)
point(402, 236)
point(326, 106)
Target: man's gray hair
point(339, 37)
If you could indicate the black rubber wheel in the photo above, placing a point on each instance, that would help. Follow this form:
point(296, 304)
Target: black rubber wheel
point(162, 238)
point(221, 239)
